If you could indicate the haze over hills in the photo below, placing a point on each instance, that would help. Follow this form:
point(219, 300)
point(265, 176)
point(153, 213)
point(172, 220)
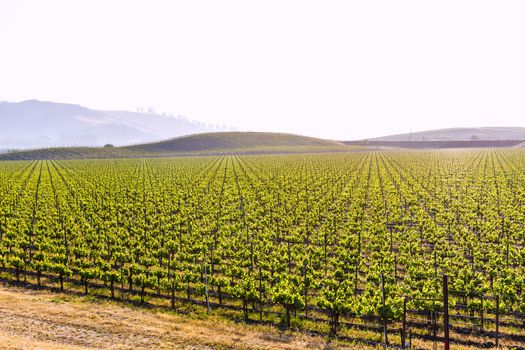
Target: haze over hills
point(37, 124)
point(460, 134)
point(65, 131)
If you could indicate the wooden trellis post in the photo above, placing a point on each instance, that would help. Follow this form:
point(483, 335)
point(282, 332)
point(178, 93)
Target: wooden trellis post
point(404, 330)
point(445, 314)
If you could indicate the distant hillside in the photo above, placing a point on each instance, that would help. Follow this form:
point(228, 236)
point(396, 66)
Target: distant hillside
point(460, 134)
point(35, 124)
point(199, 144)
point(437, 144)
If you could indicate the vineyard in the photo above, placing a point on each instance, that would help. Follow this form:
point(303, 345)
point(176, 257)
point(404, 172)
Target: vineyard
point(377, 247)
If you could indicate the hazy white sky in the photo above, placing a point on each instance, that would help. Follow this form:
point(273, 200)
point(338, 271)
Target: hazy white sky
point(335, 69)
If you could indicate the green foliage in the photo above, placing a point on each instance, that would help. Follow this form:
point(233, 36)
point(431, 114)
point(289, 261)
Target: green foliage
point(295, 233)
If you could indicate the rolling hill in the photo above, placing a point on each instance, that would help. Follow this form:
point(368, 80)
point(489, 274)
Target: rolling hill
point(213, 143)
point(36, 124)
point(231, 140)
point(198, 144)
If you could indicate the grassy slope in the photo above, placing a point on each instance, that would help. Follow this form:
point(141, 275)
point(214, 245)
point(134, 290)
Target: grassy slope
point(199, 144)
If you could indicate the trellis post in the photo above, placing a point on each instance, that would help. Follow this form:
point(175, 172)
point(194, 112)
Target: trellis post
point(445, 313)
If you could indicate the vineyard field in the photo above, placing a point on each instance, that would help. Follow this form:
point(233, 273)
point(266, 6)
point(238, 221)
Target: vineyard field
point(362, 246)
